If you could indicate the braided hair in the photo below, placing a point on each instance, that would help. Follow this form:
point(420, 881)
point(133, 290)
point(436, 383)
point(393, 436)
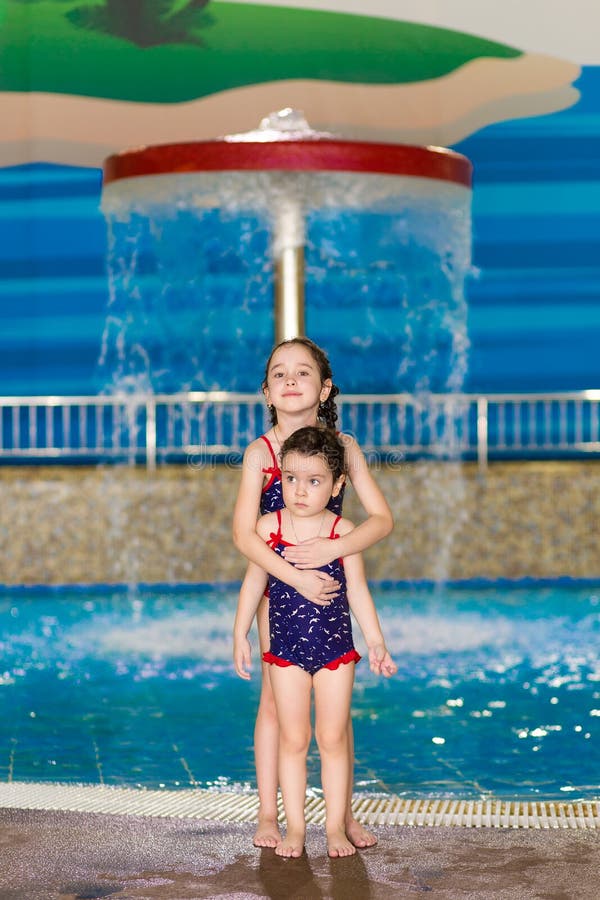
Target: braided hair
point(327, 411)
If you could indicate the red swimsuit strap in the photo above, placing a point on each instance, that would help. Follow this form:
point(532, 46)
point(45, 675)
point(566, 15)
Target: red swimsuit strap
point(332, 533)
point(275, 538)
point(273, 471)
point(271, 451)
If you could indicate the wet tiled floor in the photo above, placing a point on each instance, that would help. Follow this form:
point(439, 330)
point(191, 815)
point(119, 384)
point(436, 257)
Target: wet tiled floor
point(80, 856)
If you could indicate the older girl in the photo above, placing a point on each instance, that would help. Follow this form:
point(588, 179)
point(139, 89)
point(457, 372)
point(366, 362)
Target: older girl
point(299, 391)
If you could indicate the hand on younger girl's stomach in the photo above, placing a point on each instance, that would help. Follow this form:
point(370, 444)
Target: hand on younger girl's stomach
point(318, 587)
point(311, 554)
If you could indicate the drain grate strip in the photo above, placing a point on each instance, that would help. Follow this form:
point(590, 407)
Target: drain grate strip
point(242, 807)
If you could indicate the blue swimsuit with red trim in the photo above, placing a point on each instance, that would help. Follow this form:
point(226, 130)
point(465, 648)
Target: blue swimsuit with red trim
point(302, 633)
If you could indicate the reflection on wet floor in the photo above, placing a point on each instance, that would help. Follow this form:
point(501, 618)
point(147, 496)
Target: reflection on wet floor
point(76, 856)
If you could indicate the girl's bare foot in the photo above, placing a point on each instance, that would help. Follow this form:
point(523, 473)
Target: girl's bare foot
point(338, 844)
point(292, 845)
point(267, 833)
point(359, 836)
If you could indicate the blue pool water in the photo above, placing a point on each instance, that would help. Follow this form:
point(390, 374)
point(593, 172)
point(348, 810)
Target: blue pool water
point(497, 694)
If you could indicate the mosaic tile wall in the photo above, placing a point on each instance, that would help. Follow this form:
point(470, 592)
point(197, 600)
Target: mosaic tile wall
point(76, 525)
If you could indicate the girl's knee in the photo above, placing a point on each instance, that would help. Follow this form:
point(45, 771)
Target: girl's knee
point(267, 711)
point(331, 740)
point(267, 699)
point(295, 741)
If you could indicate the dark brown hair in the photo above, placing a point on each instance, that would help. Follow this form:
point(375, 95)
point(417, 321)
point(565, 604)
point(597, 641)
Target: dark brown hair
point(327, 412)
point(313, 440)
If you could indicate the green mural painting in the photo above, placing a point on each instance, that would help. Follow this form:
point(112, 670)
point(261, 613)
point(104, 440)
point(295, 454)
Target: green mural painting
point(146, 23)
point(82, 78)
point(243, 44)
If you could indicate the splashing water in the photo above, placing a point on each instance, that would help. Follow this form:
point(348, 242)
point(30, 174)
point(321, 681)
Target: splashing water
point(191, 278)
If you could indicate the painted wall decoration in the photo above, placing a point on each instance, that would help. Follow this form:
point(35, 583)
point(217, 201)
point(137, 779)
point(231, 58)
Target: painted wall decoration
point(80, 79)
point(514, 86)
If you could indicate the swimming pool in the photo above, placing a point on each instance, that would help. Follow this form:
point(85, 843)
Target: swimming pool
point(497, 695)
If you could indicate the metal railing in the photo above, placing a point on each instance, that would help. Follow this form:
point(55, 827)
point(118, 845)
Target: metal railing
point(153, 428)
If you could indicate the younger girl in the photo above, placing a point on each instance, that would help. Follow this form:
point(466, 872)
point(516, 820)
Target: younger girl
point(311, 647)
point(299, 391)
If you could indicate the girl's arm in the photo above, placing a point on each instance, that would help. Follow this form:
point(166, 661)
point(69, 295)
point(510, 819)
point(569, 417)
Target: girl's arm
point(363, 610)
point(318, 587)
point(251, 591)
point(320, 551)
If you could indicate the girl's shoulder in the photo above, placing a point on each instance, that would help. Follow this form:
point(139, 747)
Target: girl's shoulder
point(342, 526)
point(348, 441)
point(354, 455)
point(261, 443)
point(259, 449)
point(266, 524)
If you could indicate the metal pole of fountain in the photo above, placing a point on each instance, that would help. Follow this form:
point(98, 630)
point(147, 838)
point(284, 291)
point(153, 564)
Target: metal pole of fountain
point(288, 260)
point(284, 144)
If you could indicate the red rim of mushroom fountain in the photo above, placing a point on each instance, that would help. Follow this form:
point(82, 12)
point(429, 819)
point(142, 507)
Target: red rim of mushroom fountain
point(322, 155)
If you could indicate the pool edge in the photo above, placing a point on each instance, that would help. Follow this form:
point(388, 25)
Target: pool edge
point(236, 807)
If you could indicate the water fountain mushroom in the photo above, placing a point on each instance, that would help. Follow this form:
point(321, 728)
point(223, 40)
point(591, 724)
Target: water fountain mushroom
point(200, 232)
point(284, 144)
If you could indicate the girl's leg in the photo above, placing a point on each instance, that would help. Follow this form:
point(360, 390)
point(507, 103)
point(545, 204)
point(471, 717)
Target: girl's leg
point(266, 742)
point(292, 691)
point(360, 836)
point(333, 692)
